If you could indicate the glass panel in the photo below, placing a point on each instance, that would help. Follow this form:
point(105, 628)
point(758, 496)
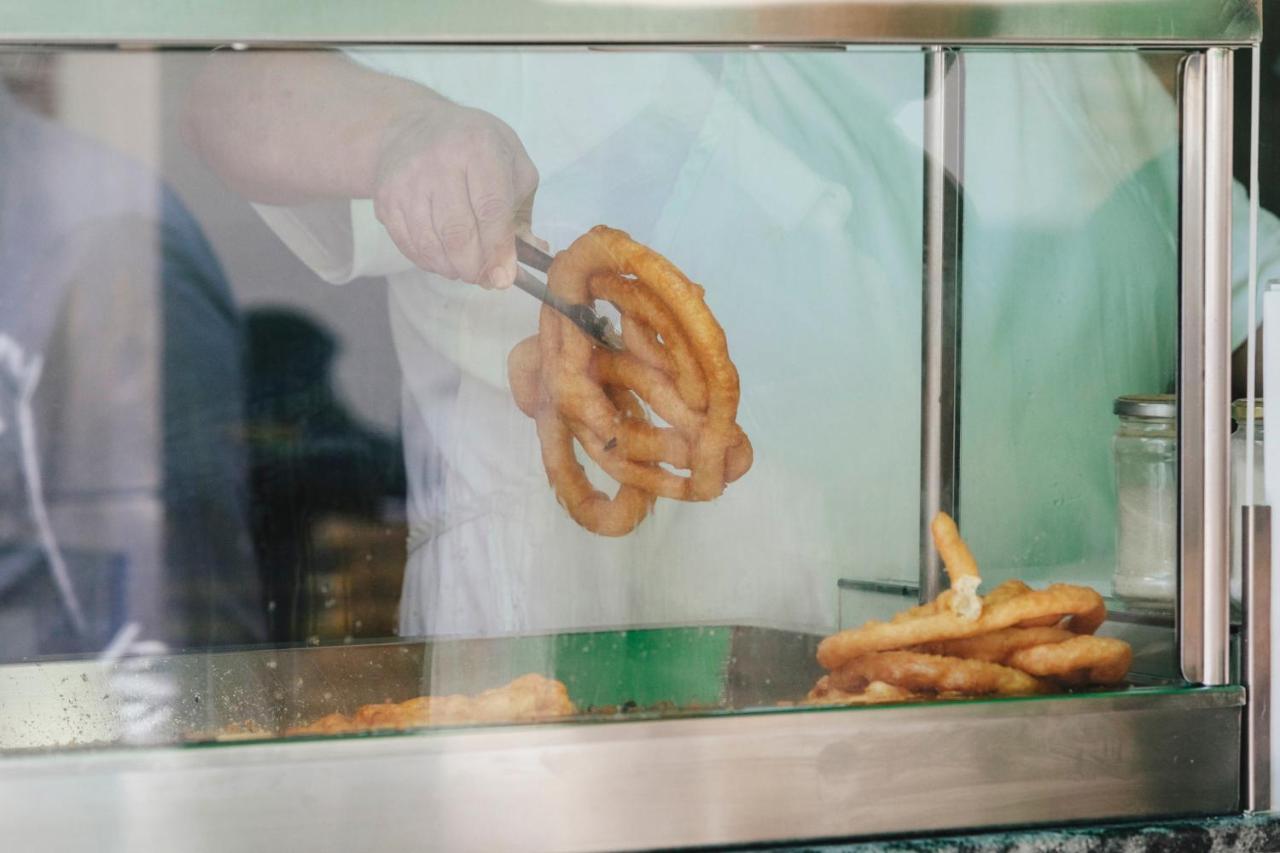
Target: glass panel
point(235, 497)
point(1062, 481)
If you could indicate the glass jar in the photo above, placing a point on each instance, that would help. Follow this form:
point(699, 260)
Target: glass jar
point(1240, 496)
point(1145, 449)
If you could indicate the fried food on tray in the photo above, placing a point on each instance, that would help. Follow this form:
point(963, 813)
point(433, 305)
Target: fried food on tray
point(1082, 607)
point(1022, 641)
point(925, 673)
point(676, 364)
point(1080, 660)
point(529, 698)
point(873, 693)
point(997, 646)
point(962, 569)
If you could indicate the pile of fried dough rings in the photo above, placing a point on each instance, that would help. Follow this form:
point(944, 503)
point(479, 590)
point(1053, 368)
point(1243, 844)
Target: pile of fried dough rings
point(676, 364)
point(1013, 641)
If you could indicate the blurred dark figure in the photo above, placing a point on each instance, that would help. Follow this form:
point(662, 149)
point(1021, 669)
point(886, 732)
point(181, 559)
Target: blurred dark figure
point(123, 507)
point(322, 484)
point(1269, 113)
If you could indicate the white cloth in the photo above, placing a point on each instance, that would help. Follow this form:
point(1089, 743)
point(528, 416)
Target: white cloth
point(789, 185)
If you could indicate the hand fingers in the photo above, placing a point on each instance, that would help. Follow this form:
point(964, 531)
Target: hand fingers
point(456, 228)
point(524, 175)
point(455, 209)
point(502, 268)
point(524, 229)
point(524, 178)
point(430, 249)
point(490, 186)
point(418, 242)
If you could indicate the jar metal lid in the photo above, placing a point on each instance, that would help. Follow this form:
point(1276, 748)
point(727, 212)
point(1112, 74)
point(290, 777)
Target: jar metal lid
point(1240, 410)
point(1153, 406)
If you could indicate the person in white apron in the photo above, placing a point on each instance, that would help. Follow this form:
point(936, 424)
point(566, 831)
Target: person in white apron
point(789, 185)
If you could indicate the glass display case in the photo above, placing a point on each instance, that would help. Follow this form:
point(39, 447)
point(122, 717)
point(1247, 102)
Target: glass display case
point(415, 558)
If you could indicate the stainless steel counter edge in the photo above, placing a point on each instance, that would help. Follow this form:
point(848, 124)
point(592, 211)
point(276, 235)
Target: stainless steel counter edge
point(714, 780)
point(955, 23)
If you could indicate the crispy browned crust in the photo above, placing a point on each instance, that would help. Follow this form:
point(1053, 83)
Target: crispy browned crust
point(923, 673)
point(677, 363)
point(1079, 660)
point(1022, 641)
point(529, 698)
point(1084, 606)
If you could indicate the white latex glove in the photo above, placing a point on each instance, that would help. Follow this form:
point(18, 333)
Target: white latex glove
point(454, 187)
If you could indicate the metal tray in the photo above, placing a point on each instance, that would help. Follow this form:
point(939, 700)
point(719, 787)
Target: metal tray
point(735, 768)
point(194, 697)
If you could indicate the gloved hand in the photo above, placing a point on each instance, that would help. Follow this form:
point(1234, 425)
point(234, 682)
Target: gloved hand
point(454, 187)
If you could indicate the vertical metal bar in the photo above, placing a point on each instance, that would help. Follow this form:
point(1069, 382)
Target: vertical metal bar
point(1256, 564)
point(1204, 378)
point(940, 337)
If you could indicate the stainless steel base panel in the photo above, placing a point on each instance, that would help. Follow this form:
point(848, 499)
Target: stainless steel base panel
point(642, 784)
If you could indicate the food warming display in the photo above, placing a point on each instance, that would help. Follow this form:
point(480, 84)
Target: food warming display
point(1010, 642)
point(821, 543)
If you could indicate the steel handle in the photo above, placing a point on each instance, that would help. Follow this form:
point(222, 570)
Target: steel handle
point(940, 332)
point(530, 255)
point(1255, 562)
point(1204, 377)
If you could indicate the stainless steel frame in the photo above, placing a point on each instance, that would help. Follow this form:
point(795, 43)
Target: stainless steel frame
point(940, 333)
point(642, 785)
point(1204, 370)
point(956, 23)
point(716, 779)
point(1257, 658)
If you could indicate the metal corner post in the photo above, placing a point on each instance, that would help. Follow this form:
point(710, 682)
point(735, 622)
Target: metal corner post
point(1256, 565)
point(1204, 372)
point(940, 333)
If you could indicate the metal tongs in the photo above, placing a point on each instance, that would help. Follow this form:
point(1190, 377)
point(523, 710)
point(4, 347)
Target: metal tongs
point(598, 328)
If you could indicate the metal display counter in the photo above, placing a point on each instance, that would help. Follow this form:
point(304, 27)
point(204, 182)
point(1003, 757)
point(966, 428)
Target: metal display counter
point(717, 749)
point(732, 767)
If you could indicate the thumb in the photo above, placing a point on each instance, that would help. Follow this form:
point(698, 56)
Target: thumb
point(524, 225)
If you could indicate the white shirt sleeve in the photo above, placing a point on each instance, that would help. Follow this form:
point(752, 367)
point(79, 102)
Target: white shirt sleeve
point(339, 241)
point(1268, 261)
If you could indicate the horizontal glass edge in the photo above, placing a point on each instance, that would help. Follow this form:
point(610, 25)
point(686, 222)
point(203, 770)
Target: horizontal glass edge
point(1137, 698)
point(301, 42)
point(642, 22)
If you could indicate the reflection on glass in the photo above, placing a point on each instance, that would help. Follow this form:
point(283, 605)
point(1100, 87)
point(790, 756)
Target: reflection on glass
point(330, 555)
point(121, 481)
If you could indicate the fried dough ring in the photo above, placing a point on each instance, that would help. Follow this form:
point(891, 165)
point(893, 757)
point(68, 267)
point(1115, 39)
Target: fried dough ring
point(677, 363)
point(1015, 641)
point(528, 698)
point(874, 693)
point(998, 646)
point(1084, 606)
point(1078, 660)
point(942, 604)
point(927, 673)
point(590, 507)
